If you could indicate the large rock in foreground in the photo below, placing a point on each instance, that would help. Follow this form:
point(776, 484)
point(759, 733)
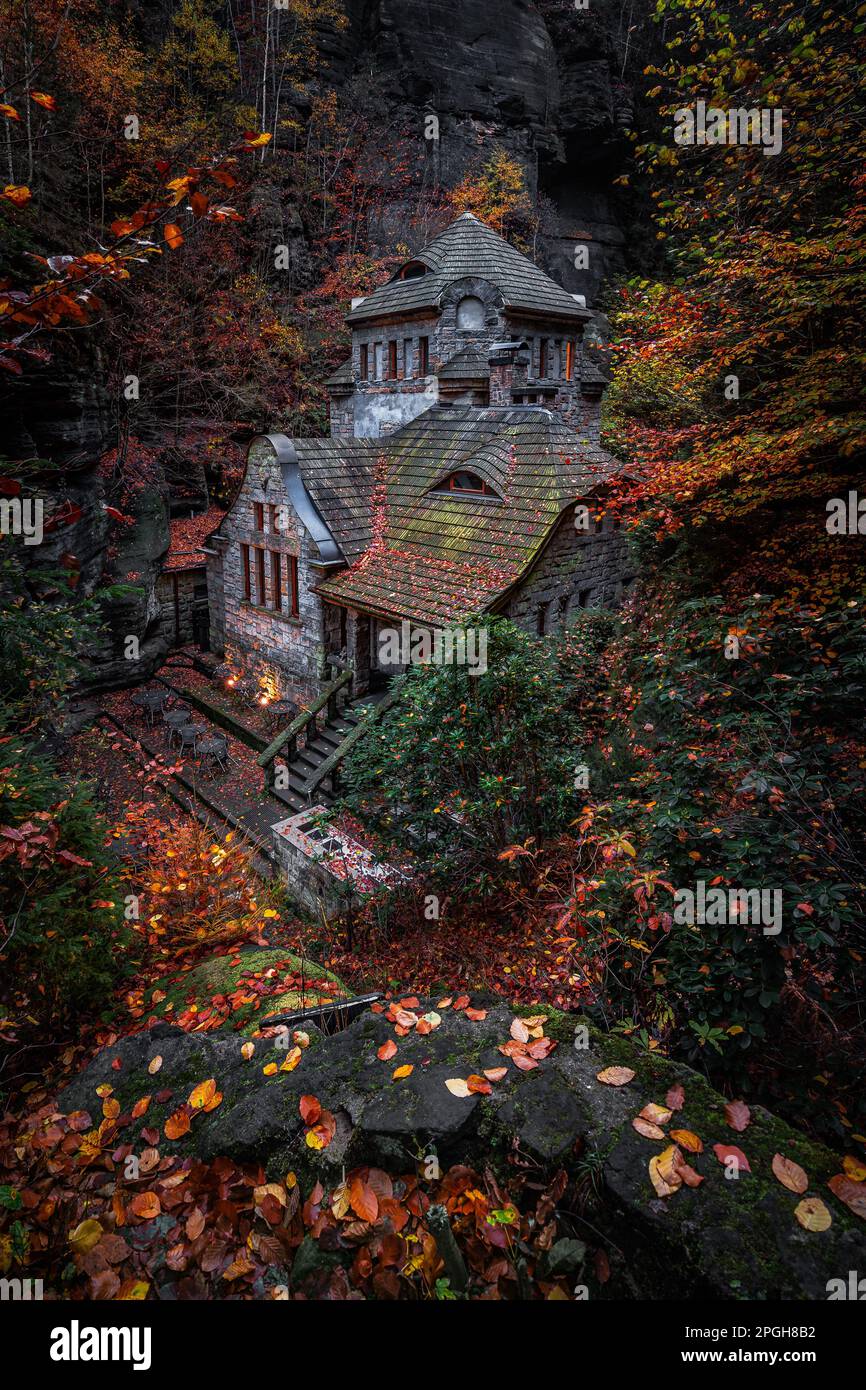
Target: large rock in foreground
point(732, 1237)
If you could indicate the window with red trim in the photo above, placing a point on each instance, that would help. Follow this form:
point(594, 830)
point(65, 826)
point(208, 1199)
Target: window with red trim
point(466, 482)
point(292, 567)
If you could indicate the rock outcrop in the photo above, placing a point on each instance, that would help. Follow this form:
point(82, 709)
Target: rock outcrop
point(728, 1237)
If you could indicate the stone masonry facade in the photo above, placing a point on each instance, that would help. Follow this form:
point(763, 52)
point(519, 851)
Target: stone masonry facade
point(282, 648)
point(394, 391)
point(578, 570)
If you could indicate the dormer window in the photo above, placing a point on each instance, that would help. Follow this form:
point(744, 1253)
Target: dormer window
point(467, 483)
point(413, 270)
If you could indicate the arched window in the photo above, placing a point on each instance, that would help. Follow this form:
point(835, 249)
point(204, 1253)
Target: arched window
point(467, 483)
point(470, 315)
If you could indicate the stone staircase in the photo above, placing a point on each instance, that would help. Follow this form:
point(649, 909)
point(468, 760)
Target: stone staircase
point(313, 752)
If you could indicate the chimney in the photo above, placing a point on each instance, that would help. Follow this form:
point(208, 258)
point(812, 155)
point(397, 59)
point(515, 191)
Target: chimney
point(508, 368)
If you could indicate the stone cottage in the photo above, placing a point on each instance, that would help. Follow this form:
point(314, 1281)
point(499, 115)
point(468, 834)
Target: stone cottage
point(462, 476)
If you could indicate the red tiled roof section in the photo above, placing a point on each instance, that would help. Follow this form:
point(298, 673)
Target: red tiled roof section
point(188, 534)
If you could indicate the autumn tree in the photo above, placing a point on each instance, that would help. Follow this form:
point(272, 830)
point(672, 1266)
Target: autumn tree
point(497, 194)
point(740, 384)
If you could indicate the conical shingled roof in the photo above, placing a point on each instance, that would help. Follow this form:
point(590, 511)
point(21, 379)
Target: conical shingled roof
point(469, 248)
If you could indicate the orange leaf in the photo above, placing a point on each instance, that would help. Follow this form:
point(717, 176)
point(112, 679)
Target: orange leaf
point(177, 1124)
point(400, 1072)
point(649, 1131)
point(173, 235)
point(813, 1215)
point(205, 1095)
point(310, 1109)
point(146, 1205)
point(738, 1115)
point(851, 1193)
point(387, 1050)
point(724, 1152)
point(615, 1076)
point(478, 1086)
point(687, 1140)
point(790, 1174)
point(363, 1199)
point(43, 99)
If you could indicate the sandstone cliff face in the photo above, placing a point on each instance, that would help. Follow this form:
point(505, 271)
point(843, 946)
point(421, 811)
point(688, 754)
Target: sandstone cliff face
point(547, 82)
point(62, 414)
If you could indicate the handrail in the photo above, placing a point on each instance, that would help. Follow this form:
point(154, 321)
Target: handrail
point(302, 721)
point(328, 768)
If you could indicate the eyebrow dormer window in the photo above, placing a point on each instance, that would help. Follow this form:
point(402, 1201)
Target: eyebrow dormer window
point(466, 483)
point(413, 270)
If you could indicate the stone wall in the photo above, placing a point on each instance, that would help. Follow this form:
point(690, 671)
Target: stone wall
point(216, 597)
point(577, 570)
point(382, 403)
point(285, 649)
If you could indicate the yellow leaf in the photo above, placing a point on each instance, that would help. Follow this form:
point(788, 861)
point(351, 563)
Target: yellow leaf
point(205, 1095)
point(135, 1289)
point(85, 1236)
point(813, 1215)
point(400, 1072)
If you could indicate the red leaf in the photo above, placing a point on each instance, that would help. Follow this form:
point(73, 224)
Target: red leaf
point(738, 1115)
point(725, 1151)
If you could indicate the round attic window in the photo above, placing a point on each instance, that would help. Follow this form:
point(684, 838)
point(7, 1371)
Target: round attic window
point(470, 315)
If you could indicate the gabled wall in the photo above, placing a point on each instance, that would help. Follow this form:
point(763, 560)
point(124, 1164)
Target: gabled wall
point(258, 640)
point(576, 571)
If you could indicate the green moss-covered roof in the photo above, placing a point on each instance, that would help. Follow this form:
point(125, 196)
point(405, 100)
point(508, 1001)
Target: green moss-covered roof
point(435, 557)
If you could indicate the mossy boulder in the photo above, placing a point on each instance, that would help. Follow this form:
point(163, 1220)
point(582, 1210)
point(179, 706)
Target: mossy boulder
point(239, 988)
point(728, 1237)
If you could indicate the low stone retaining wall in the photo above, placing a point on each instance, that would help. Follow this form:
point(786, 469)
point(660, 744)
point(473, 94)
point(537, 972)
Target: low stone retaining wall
point(325, 868)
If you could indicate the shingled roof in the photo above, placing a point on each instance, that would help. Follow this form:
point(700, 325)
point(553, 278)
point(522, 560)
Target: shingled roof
point(469, 248)
point(472, 364)
point(436, 557)
point(187, 535)
point(338, 474)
